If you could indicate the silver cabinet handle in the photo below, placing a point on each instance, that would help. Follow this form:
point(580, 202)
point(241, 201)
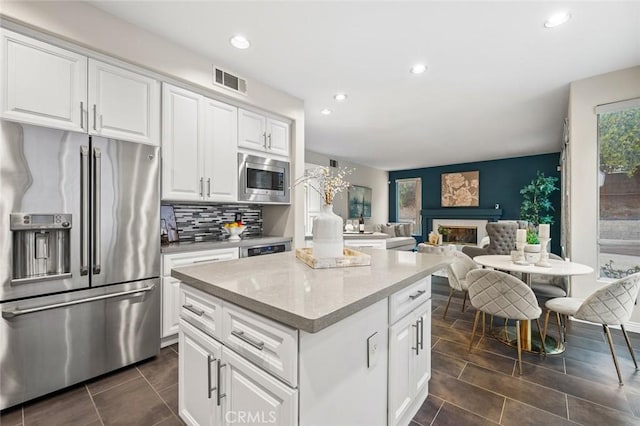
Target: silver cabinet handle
point(210, 389)
point(421, 334)
point(269, 140)
point(264, 136)
point(209, 187)
point(97, 198)
point(417, 348)
point(198, 312)
point(240, 335)
point(218, 385)
point(417, 294)
point(84, 210)
point(81, 115)
point(17, 312)
point(202, 187)
point(95, 120)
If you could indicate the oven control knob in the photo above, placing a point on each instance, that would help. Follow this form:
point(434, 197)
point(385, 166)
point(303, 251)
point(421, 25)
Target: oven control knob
point(65, 224)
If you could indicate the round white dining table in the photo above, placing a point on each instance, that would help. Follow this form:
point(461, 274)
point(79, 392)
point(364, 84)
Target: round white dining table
point(557, 268)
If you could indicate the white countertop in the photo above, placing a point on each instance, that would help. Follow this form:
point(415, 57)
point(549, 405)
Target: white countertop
point(283, 288)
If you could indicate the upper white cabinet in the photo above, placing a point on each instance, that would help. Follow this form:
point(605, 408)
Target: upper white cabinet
point(49, 86)
point(123, 104)
point(199, 140)
point(264, 134)
point(42, 84)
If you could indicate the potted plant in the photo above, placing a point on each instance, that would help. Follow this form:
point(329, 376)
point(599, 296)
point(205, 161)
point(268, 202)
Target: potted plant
point(536, 205)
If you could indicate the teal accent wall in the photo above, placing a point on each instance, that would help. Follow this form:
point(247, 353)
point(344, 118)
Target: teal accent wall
point(500, 183)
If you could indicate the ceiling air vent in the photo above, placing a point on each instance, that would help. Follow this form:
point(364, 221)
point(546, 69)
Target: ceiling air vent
point(230, 81)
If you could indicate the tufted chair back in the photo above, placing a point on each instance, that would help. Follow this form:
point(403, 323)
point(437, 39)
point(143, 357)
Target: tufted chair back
point(458, 270)
point(502, 237)
point(502, 295)
point(613, 304)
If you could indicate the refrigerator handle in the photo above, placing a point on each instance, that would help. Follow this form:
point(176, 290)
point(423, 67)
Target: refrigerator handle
point(84, 207)
point(97, 173)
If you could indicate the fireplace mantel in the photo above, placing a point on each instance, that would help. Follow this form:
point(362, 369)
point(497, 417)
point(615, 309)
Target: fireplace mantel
point(462, 213)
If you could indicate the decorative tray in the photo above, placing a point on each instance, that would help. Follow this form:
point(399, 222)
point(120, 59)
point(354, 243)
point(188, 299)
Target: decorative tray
point(350, 257)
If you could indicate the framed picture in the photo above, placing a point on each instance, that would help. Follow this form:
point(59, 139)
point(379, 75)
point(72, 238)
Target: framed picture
point(460, 189)
point(359, 201)
point(168, 226)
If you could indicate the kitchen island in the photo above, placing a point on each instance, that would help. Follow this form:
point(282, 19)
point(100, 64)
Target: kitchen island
point(272, 341)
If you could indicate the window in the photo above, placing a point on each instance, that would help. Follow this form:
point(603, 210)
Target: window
point(409, 202)
point(619, 182)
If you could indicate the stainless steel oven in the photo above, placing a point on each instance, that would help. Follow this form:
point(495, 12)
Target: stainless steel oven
point(262, 180)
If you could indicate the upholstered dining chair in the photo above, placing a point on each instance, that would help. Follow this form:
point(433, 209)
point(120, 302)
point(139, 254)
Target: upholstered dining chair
point(548, 286)
point(457, 274)
point(610, 305)
point(503, 295)
point(502, 239)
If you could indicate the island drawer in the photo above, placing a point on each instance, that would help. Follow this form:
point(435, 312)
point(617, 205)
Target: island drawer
point(404, 301)
point(201, 310)
point(176, 260)
point(269, 344)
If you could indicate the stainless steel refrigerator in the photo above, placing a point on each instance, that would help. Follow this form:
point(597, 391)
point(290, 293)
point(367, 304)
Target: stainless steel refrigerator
point(79, 258)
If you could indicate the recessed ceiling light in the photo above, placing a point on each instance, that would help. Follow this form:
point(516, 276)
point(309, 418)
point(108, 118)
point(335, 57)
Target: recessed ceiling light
point(418, 69)
point(326, 111)
point(557, 19)
point(340, 97)
point(240, 42)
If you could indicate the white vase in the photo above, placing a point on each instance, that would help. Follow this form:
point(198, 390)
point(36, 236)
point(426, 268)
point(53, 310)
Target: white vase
point(327, 233)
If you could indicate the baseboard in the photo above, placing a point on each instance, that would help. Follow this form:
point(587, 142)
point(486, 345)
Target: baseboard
point(632, 327)
point(169, 340)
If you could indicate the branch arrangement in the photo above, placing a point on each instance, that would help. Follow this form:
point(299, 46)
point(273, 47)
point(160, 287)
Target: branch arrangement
point(325, 181)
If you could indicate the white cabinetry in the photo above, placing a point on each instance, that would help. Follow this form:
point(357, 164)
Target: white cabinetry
point(173, 299)
point(123, 104)
point(199, 139)
point(261, 133)
point(42, 84)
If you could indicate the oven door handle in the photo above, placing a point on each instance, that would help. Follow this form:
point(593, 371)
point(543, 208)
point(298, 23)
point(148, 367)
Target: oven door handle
point(18, 312)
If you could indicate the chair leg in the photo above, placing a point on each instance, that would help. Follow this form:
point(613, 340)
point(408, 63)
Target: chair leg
point(626, 337)
point(543, 349)
point(473, 333)
point(546, 324)
point(464, 301)
point(484, 320)
point(444, 316)
point(519, 347)
point(607, 333)
point(561, 335)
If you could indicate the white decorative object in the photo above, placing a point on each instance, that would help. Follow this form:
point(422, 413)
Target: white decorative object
point(544, 255)
point(234, 233)
point(520, 247)
point(521, 236)
point(349, 257)
point(543, 231)
point(327, 233)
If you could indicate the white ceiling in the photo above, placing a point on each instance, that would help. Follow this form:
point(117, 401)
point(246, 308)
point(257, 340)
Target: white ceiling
point(497, 84)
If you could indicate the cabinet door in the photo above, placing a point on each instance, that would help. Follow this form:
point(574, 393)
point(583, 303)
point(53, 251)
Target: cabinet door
point(255, 395)
point(123, 104)
point(278, 137)
point(252, 130)
point(182, 162)
point(220, 148)
point(170, 306)
point(197, 375)
point(42, 84)
point(422, 361)
point(402, 344)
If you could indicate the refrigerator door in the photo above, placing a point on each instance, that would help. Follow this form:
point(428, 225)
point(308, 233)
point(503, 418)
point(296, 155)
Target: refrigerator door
point(40, 173)
point(51, 342)
point(125, 212)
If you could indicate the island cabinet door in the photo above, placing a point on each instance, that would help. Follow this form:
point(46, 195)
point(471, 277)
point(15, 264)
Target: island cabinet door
point(198, 377)
point(252, 396)
point(422, 370)
point(403, 340)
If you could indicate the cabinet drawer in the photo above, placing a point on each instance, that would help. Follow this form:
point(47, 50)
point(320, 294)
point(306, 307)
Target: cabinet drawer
point(202, 310)
point(404, 301)
point(170, 261)
point(270, 345)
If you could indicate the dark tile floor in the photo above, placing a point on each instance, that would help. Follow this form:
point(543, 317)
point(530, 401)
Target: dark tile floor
point(481, 387)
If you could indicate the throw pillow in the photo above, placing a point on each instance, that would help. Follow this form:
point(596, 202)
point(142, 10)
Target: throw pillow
point(388, 229)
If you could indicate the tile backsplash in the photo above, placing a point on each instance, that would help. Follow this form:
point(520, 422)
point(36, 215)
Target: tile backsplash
point(204, 222)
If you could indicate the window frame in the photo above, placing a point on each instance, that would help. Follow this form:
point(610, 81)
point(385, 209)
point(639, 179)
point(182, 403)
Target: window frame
point(417, 228)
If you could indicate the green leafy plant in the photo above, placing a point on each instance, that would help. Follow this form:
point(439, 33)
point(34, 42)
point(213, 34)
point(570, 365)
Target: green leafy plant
point(532, 237)
point(536, 205)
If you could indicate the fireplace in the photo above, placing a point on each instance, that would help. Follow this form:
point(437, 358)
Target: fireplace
point(462, 235)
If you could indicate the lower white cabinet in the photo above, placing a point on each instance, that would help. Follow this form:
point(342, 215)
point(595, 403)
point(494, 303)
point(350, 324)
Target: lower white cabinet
point(409, 362)
point(219, 387)
point(170, 306)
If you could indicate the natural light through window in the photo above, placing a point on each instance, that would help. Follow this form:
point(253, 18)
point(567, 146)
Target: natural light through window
point(619, 182)
point(409, 202)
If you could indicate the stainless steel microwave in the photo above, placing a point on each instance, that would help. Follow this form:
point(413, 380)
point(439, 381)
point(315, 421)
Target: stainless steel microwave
point(262, 180)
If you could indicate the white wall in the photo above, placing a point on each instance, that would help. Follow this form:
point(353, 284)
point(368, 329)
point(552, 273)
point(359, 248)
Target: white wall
point(584, 96)
point(92, 28)
point(376, 179)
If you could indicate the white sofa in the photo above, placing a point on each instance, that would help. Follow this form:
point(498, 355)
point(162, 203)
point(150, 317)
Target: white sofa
point(398, 239)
